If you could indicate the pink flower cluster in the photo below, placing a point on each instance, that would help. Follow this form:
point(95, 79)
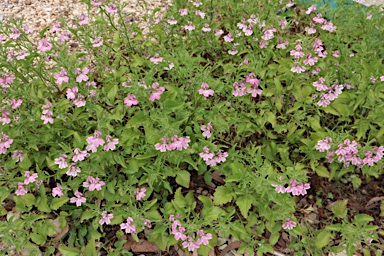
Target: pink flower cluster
point(93, 183)
point(295, 187)
point(129, 227)
point(211, 159)
point(140, 193)
point(47, 113)
point(131, 100)
point(347, 153)
point(6, 80)
point(5, 143)
point(205, 91)
point(157, 93)
point(178, 143)
point(74, 95)
point(44, 45)
point(331, 93)
point(95, 141)
point(21, 187)
point(189, 242)
point(207, 129)
point(61, 77)
point(240, 88)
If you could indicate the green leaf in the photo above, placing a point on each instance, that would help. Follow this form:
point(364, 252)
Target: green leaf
point(274, 238)
point(87, 215)
point(37, 238)
point(23, 203)
point(179, 200)
point(90, 249)
point(69, 251)
point(362, 219)
point(112, 92)
point(322, 172)
point(26, 163)
point(4, 193)
point(222, 195)
point(183, 178)
point(340, 208)
point(244, 203)
point(57, 202)
point(42, 205)
point(323, 238)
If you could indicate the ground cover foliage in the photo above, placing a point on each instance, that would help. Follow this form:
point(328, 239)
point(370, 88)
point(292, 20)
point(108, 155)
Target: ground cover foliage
point(224, 121)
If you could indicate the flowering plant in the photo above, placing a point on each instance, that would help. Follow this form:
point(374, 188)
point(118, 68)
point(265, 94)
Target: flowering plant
point(217, 124)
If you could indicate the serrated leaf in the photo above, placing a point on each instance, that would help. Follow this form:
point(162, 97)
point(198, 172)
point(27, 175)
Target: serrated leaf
point(323, 239)
point(362, 219)
point(57, 202)
point(244, 203)
point(340, 208)
point(69, 251)
point(222, 195)
point(183, 178)
point(37, 238)
point(90, 249)
point(322, 172)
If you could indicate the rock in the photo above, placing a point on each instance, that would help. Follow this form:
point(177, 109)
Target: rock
point(28, 2)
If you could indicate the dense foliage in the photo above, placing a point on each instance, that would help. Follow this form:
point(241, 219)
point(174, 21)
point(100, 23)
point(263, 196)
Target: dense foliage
point(216, 123)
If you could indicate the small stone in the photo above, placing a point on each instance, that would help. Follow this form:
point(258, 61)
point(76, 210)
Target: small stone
point(205, 192)
point(28, 2)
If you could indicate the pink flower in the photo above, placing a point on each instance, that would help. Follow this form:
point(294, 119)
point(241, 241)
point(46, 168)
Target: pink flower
point(71, 93)
point(57, 191)
point(239, 90)
point(311, 9)
point(61, 77)
point(310, 60)
point(199, 13)
point(82, 74)
point(18, 155)
point(206, 28)
point(110, 143)
point(106, 218)
point(297, 188)
point(16, 34)
point(65, 36)
point(228, 38)
point(328, 26)
point(29, 178)
point(190, 244)
point(204, 238)
point(320, 86)
point(5, 142)
point(179, 143)
point(156, 95)
point(78, 199)
point(162, 146)
point(15, 103)
point(131, 100)
point(323, 145)
point(44, 45)
point(111, 8)
point(183, 12)
point(93, 183)
point(206, 154)
point(96, 3)
point(189, 27)
point(156, 59)
point(297, 68)
point(56, 27)
point(207, 130)
point(97, 42)
point(73, 170)
point(172, 21)
point(140, 193)
point(218, 32)
point(79, 155)
point(129, 227)
point(21, 189)
point(279, 188)
point(319, 19)
point(382, 78)
point(94, 141)
point(205, 91)
point(289, 224)
point(83, 19)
